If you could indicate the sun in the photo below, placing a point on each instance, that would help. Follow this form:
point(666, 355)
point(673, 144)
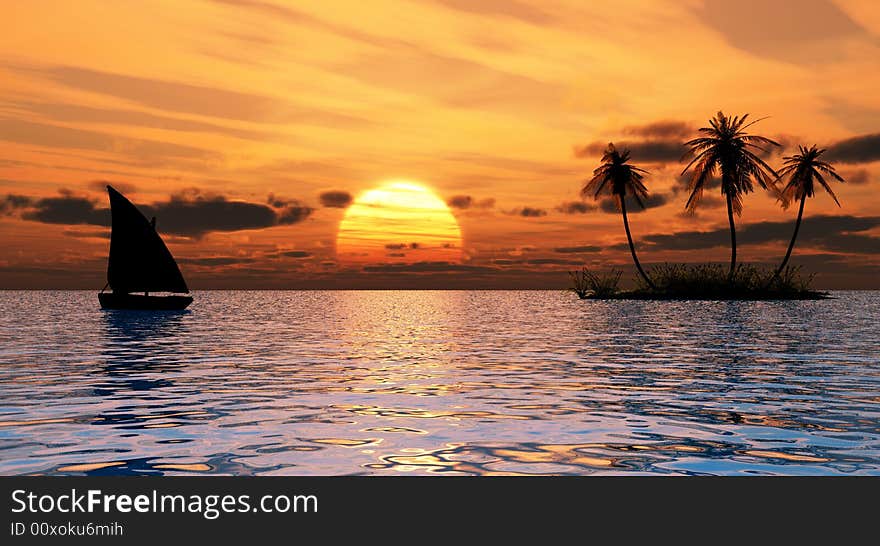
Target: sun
point(400, 221)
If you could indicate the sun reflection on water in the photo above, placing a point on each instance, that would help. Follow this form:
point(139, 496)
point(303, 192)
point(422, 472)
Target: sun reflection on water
point(445, 382)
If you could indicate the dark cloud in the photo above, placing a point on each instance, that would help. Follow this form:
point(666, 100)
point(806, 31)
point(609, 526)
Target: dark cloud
point(426, 267)
point(536, 261)
point(295, 254)
point(336, 199)
point(68, 209)
point(664, 130)
point(609, 206)
point(859, 149)
point(527, 212)
point(642, 151)
point(12, 202)
point(402, 246)
point(577, 249)
point(575, 207)
point(460, 201)
point(276, 201)
point(215, 261)
point(832, 233)
point(293, 213)
point(466, 202)
point(552, 261)
point(87, 233)
point(189, 213)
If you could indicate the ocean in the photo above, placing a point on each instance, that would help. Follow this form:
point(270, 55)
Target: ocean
point(439, 382)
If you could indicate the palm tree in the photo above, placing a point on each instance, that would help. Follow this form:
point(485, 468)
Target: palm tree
point(617, 178)
point(802, 170)
point(725, 146)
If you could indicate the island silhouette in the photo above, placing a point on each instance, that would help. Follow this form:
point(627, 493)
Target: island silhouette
point(725, 150)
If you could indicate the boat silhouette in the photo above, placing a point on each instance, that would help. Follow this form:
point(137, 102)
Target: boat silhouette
point(139, 261)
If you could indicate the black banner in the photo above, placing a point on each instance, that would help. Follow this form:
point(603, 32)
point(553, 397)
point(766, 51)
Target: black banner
point(117, 510)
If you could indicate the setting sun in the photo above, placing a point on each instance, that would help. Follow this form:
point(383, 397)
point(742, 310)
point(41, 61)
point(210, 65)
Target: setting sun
point(400, 221)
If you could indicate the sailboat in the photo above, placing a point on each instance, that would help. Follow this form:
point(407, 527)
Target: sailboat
point(139, 261)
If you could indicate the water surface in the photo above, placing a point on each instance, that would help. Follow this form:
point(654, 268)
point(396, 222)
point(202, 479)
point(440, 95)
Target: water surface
point(439, 382)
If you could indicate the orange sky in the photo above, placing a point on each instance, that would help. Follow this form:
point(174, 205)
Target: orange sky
point(247, 125)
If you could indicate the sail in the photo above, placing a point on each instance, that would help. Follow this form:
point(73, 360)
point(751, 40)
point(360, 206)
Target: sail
point(139, 260)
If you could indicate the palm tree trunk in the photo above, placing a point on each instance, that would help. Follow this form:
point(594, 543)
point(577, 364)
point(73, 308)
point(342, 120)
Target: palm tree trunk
point(632, 247)
point(732, 238)
point(797, 226)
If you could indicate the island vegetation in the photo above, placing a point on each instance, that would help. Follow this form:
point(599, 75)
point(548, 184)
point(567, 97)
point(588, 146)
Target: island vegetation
point(727, 152)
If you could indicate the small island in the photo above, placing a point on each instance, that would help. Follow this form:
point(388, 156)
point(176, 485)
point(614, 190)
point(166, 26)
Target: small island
point(726, 154)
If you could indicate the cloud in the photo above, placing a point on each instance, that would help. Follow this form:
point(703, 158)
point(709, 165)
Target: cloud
point(642, 151)
point(132, 118)
point(291, 15)
point(527, 212)
point(68, 209)
point(466, 202)
point(460, 201)
point(857, 177)
point(295, 254)
point(87, 233)
point(807, 31)
point(451, 81)
point(859, 149)
point(502, 8)
point(575, 207)
point(12, 202)
point(609, 206)
point(336, 199)
point(293, 213)
point(402, 246)
point(189, 213)
point(193, 99)
point(215, 261)
point(101, 186)
point(426, 267)
point(551, 261)
point(832, 233)
point(536, 261)
point(665, 130)
point(55, 136)
point(577, 249)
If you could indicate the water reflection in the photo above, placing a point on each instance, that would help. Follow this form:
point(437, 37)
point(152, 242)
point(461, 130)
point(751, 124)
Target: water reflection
point(138, 346)
point(439, 382)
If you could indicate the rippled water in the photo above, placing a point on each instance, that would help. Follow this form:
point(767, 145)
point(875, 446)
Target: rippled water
point(443, 382)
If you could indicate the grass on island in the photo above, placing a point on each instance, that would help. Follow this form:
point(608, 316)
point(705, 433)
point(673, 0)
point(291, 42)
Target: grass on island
point(699, 282)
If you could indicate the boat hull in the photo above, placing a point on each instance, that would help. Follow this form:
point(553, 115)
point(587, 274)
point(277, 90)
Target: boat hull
point(110, 300)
